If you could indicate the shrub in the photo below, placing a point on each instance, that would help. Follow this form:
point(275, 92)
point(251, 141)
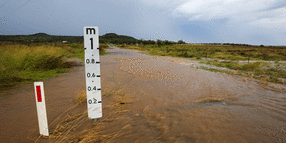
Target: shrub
point(42, 62)
point(274, 79)
point(251, 66)
point(168, 49)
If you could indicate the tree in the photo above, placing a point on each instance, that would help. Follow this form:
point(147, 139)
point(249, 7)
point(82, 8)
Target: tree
point(159, 43)
point(181, 42)
point(166, 42)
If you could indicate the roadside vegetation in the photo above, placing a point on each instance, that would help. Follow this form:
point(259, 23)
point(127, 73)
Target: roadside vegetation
point(266, 63)
point(73, 127)
point(22, 63)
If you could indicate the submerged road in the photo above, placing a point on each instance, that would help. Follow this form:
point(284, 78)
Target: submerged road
point(178, 103)
point(172, 103)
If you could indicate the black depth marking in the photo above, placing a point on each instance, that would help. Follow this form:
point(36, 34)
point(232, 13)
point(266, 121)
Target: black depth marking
point(97, 62)
point(99, 102)
point(85, 48)
point(97, 48)
point(98, 75)
point(99, 89)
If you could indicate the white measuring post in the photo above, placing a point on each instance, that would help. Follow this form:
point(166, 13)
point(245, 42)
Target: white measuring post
point(41, 108)
point(92, 72)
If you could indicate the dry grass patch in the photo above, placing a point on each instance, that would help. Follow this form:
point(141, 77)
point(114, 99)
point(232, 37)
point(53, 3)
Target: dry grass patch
point(121, 100)
point(209, 100)
point(106, 129)
point(81, 97)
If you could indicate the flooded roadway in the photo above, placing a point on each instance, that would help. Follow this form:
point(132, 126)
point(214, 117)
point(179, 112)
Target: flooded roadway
point(171, 102)
point(178, 103)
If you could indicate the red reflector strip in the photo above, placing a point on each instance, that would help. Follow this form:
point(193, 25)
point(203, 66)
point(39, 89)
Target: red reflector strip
point(39, 96)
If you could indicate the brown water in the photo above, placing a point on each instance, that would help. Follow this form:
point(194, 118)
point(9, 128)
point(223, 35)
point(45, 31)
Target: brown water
point(171, 103)
point(177, 103)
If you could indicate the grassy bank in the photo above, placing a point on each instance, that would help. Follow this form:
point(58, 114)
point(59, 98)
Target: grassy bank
point(229, 56)
point(225, 52)
point(21, 63)
point(264, 71)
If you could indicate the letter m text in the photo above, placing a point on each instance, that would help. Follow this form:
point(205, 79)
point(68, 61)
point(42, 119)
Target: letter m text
point(90, 30)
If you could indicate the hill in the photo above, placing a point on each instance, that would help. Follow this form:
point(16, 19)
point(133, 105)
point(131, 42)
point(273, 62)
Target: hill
point(114, 38)
point(43, 37)
point(40, 37)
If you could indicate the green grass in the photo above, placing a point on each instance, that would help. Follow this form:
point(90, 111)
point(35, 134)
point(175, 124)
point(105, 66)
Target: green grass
point(226, 52)
point(24, 63)
point(102, 48)
point(259, 69)
point(260, 78)
point(256, 66)
point(219, 70)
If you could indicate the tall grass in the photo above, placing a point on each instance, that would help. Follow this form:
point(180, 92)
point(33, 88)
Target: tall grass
point(102, 48)
point(20, 63)
point(36, 61)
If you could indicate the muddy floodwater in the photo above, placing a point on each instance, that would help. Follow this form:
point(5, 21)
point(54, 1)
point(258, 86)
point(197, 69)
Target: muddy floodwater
point(157, 99)
point(177, 103)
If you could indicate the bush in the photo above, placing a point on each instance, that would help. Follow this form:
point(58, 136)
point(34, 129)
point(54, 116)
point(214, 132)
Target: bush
point(251, 66)
point(102, 47)
point(168, 49)
point(42, 62)
point(274, 79)
point(230, 65)
point(282, 73)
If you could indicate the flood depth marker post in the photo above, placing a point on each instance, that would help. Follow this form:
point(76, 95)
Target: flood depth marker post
point(92, 72)
point(41, 108)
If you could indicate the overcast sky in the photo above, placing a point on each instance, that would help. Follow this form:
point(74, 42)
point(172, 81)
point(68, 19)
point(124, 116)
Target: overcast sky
point(195, 21)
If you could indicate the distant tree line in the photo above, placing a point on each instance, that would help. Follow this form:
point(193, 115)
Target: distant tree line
point(233, 44)
point(121, 39)
point(107, 38)
point(40, 38)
